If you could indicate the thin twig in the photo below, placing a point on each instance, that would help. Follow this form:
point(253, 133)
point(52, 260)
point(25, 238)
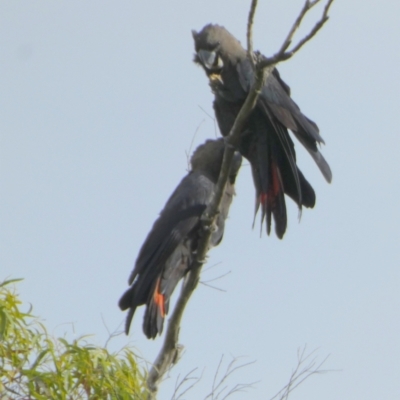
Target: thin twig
point(191, 145)
point(179, 384)
point(316, 28)
point(207, 283)
point(217, 277)
point(111, 335)
point(211, 117)
point(213, 287)
point(250, 21)
point(219, 387)
point(282, 54)
point(287, 42)
point(211, 266)
point(302, 372)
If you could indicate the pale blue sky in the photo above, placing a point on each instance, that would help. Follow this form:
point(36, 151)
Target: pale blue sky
point(99, 103)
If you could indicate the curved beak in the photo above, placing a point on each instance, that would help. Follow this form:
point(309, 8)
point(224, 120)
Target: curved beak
point(207, 58)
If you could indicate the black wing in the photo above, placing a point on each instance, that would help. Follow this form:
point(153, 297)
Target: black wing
point(179, 217)
point(275, 99)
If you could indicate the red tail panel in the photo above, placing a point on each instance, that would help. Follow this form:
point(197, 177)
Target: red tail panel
point(159, 299)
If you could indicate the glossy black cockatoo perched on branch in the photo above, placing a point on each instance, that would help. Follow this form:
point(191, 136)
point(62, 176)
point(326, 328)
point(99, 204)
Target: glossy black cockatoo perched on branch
point(168, 251)
point(265, 140)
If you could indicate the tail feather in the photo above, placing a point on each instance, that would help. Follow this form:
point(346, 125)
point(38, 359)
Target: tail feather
point(128, 301)
point(153, 321)
point(273, 203)
point(269, 192)
point(129, 318)
point(293, 186)
point(154, 288)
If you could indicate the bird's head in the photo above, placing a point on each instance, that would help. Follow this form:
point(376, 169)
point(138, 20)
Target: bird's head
point(208, 159)
point(215, 48)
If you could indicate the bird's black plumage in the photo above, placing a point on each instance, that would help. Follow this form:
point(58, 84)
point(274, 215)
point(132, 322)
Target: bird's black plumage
point(265, 140)
point(167, 253)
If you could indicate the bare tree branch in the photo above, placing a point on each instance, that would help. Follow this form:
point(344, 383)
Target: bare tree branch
point(212, 118)
point(207, 282)
point(263, 66)
point(250, 21)
point(307, 6)
point(282, 54)
point(216, 278)
point(306, 367)
point(180, 383)
point(187, 153)
point(219, 386)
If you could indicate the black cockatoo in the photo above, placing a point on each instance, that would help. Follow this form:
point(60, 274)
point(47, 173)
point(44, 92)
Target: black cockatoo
point(168, 251)
point(265, 140)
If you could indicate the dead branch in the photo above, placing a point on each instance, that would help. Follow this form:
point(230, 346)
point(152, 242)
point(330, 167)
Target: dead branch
point(263, 66)
point(250, 21)
point(306, 367)
point(187, 153)
point(282, 54)
point(220, 387)
point(180, 383)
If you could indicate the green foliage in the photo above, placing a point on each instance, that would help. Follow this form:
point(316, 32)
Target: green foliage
point(33, 365)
